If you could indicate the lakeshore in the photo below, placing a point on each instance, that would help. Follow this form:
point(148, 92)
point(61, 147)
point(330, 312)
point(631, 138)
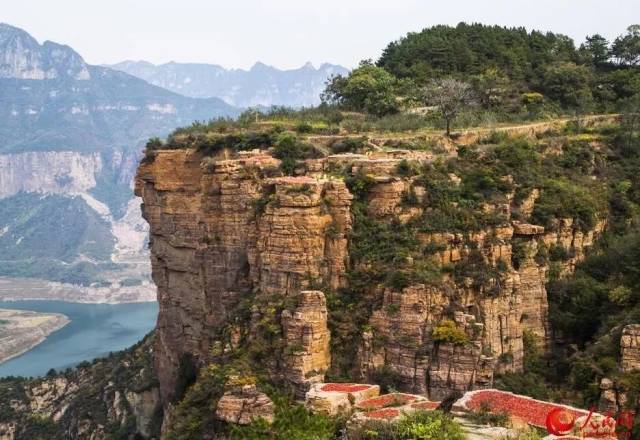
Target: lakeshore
point(23, 330)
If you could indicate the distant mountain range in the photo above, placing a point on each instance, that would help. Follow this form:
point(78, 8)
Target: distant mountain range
point(71, 135)
point(53, 100)
point(262, 85)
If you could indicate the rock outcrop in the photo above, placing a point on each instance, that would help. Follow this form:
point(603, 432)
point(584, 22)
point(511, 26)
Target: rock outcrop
point(336, 398)
point(221, 229)
point(307, 338)
point(245, 405)
point(224, 228)
point(630, 348)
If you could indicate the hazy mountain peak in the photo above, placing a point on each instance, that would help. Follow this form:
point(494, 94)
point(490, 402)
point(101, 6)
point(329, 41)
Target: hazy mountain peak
point(259, 65)
point(7, 31)
point(261, 85)
point(44, 108)
point(22, 57)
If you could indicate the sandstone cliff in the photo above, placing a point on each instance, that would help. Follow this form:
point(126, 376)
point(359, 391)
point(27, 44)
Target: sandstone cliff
point(227, 228)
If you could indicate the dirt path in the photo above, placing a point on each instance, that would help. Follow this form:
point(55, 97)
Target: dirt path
point(470, 135)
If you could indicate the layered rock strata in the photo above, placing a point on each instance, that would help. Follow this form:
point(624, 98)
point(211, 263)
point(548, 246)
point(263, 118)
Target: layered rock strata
point(227, 227)
point(244, 406)
point(630, 348)
point(222, 229)
point(307, 337)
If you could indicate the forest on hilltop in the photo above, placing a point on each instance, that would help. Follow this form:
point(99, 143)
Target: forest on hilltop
point(509, 72)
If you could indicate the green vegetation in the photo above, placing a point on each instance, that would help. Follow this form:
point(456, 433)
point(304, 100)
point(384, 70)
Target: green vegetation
point(292, 421)
point(34, 247)
point(93, 384)
point(418, 425)
point(511, 74)
point(290, 150)
point(583, 174)
point(194, 415)
point(368, 88)
point(448, 331)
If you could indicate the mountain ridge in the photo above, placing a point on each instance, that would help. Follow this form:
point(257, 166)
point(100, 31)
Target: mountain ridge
point(71, 135)
point(260, 85)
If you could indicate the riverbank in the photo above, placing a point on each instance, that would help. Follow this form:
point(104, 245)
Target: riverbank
point(22, 330)
point(94, 331)
point(29, 289)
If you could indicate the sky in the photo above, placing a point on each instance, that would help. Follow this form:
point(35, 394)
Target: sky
point(286, 33)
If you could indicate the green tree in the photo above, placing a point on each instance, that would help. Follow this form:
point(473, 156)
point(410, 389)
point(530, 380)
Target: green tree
point(597, 49)
point(568, 84)
point(626, 48)
point(491, 87)
point(472, 49)
point(367, 88)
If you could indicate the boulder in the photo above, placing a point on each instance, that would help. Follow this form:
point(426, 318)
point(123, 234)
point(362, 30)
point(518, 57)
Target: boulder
point(243, 407)
point(334, 398)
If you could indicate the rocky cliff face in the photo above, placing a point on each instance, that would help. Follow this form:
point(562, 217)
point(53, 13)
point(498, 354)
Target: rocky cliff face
point(21, 57)
point(223, 230)
point(38, 185)
point(307, 340)
point(64, 172)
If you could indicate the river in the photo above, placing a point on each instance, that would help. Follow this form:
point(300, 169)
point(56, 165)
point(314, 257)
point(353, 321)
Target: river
point(94, 331)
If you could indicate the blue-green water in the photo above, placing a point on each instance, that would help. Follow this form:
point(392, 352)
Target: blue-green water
point(94, 331)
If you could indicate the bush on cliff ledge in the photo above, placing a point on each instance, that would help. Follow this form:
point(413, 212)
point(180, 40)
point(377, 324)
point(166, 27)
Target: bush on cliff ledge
point(448, 331)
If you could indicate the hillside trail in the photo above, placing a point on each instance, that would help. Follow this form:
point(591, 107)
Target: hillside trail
point(465, 136)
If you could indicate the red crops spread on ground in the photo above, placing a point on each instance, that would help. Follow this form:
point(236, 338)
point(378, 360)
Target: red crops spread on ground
point(386, 400)
point(425, 405)
point(530, 410)
point(344, 387)
point(386, 413)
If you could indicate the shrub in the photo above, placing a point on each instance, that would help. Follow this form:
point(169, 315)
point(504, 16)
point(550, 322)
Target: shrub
point(154, 144)
point(495, 137)
point(409, 198)
point(448, 331)
point(563, 199)
point(406, 168)
point(347, 145)
point(621, 295)
point(304, 127)
point(359, 185)
point(292, 421)
point(418, 425)
point(558, 253)
point(289, 150)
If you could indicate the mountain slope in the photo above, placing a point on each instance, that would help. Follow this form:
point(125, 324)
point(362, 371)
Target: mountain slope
point(73, 133)
point(262, 85)
point(53, 100)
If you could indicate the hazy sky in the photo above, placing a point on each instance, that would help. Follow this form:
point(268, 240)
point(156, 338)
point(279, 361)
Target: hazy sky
point(286, 33)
